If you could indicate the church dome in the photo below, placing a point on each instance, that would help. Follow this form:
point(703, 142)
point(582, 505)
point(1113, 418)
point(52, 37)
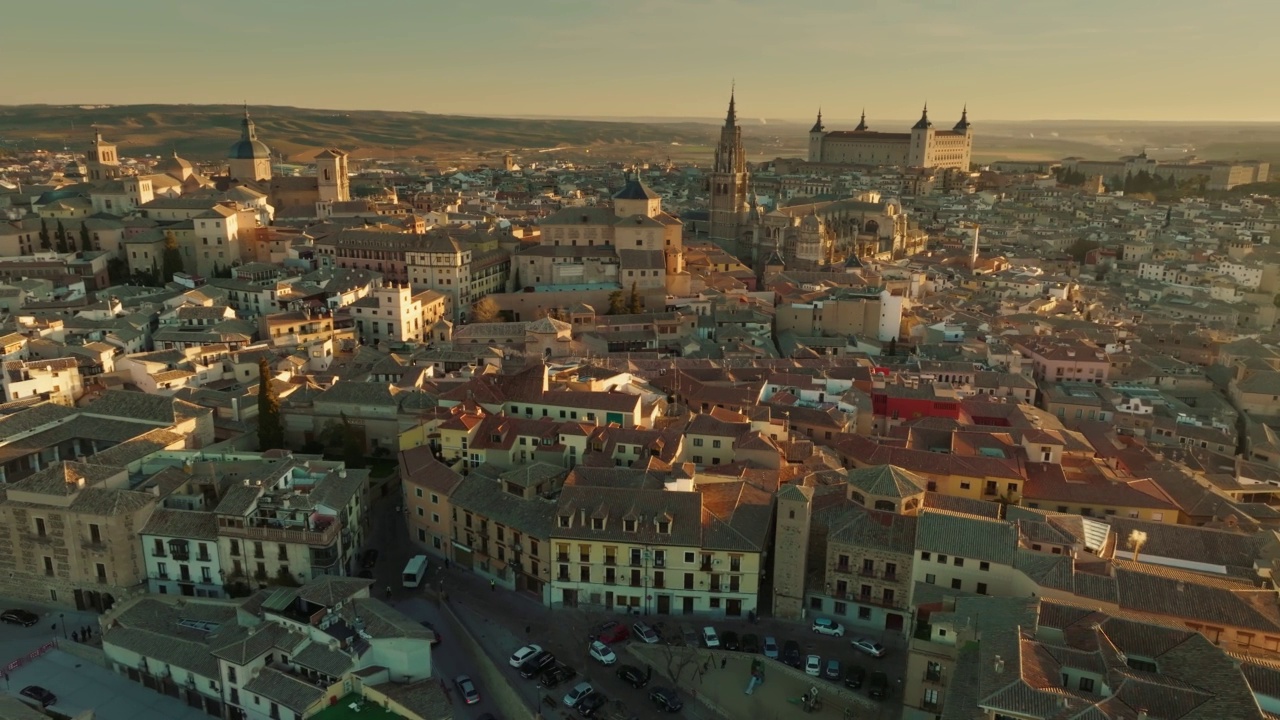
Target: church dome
point(249, 147)
point(811, 222)
point(173, 165)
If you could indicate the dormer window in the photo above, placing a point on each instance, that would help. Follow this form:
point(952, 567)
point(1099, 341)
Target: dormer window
point(597, 523)
point(664, 527)
point(629, 525)
point(566, 521)
point(496, 437)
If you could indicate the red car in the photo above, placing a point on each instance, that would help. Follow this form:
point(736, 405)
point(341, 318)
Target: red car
point(612, 632)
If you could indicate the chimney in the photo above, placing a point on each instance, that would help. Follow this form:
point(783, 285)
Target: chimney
point(999, 664)
point(1181, 586)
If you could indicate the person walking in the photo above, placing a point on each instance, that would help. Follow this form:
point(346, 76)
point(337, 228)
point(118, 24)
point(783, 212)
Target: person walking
point(724, 661)
point(388, 592)
point(493, 585)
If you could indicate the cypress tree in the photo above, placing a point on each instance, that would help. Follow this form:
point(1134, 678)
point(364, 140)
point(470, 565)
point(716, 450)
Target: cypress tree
point(270, 428)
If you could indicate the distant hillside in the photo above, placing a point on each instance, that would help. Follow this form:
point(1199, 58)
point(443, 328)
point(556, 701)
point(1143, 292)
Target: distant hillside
point(203, 132)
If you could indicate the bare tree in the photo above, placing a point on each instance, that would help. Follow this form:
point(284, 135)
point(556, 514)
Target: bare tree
point(1137, 539)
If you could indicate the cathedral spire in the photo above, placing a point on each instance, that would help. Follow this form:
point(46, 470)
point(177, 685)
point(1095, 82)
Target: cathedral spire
point(862, 124)
point(963, 125)
point(817, 126)
point(247, 131)
point(731, 118)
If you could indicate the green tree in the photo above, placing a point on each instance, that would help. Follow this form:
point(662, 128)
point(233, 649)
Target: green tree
point(893, 347)
point(61, 235)
point(270, 426)
point(485, 310)
point(635, 304)
point(171, 256)
point(617, 303)
point(1079, 249)
point(44, 235)
point(86, 244)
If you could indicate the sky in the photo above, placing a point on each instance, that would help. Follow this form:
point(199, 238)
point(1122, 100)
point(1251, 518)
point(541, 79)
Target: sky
point(1007, 59)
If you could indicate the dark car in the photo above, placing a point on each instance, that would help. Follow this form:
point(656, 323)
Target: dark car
point(556, 675)
point(690, 636)
point(663, 632)
point(729, 640)
point(633, 676)
point(25, 618)
point(666, 699)
point(854, 676)
point(534, 666)
point(369, 559)
point(612, 632)
point(750, 643)
point(831, 669)
point(591, 704)
point(791, 654)
point(435, 640)
point(878, 685)
point(39, 694)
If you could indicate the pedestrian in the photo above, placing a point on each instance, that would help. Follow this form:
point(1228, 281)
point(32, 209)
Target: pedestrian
point(724, 661)
point(75, 636)
point(88, 631)
point(493, 585)
point(388, 592)
point(706, 665)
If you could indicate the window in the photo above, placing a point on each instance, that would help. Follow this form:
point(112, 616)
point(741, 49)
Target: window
point(40, 529)
point(982, 588)
point(231, 675)
point(959, 562)
point(955, 583)
point(984, 565)
point(689, 557)
point(931, 578)
point(1086, 684)
point(715, 443)
point(697, 442)
point(864, 613)
point(942, 559)
point(48, 565)
point(815, 603)
point(417, 492)
point(95, 534)
point(926, 555)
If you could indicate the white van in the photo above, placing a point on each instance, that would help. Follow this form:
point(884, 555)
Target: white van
point(414, 571)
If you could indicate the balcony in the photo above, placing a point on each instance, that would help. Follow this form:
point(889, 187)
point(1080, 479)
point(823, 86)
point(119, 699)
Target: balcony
point(705, 566)
point(610, 560)
point(316, 538)
point(933, 678)
point(894, 604)
point(932, 706)
point(891, 577)
point(204, 557)
point(181, 554)
point(659, 583)
point(637, 562)
point(844, 569)
point(659, 562)
point(562, 557)
point(867, 572)
point(563, 577)
point(91, 546)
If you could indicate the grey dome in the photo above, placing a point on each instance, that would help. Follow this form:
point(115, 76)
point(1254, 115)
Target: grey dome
point(249, 147)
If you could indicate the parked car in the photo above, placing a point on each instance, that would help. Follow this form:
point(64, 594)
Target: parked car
point(770, 649)
point(591, 704)
point(750, 643)
point(518, 657)
point(534, 666)
point(466, 690)
point(878, 685)
point(813, 665)
point(633, 676)
point(854, 676)
point(557, 674)
point(791, 654)
point(664, 632)
point(644, 633)
point(25, 618)
point(709, 637)
point(666, 699)
point(868, 646)
point(602, 653)
point(369, 559)
point(612, 632)
point(729, 640)
point(435, 640)
point(39, 694)
point(832, 670)
point(576, 695)
point(827, 626)
point(690, 637)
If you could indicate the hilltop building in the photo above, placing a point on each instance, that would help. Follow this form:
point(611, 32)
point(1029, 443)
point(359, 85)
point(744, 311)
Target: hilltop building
point(922, 146)
point(249, 163)
point(729, 181)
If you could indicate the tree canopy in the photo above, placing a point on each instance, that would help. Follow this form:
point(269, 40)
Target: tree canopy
point(270, 425)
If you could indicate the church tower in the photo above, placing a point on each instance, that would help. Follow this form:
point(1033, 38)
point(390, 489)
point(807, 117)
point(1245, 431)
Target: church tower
point(249, 160)
point(332, 179)
point(921, 152)
point(103, 160)
point(815, 140)
point(729, 180)
point(791, 550)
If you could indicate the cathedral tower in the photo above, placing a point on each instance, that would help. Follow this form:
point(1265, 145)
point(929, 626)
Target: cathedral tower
point(332, 178)
point(729, 180)
point(249, 160)
point(103, 160)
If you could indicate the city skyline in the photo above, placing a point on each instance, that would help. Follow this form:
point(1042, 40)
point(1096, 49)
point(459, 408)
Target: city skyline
point(1133, 61)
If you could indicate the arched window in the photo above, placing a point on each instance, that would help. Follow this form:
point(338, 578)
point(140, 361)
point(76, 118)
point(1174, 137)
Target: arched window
point(885, 505)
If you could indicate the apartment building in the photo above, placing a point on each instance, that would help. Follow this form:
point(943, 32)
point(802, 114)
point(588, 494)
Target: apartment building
point(180, 549)
point(646, 549)
point(442, 264)
point(397, 314)
point(57, 380)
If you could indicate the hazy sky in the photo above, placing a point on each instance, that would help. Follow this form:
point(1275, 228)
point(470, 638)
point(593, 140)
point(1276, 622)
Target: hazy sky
point(1008, 59)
